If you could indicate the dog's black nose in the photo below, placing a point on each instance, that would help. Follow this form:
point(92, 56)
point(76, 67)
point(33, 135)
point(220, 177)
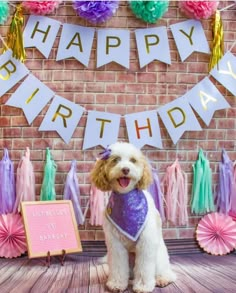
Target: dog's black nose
point(125, 171)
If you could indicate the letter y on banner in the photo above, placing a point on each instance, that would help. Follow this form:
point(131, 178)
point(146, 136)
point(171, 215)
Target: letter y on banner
point(63, 117)
point(143, 128)
point(41, 32)
point(189, 37)
point(11, 71)
point(225, 72)
point(178, 117)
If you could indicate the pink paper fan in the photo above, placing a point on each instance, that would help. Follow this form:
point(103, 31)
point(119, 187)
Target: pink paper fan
point(12, 236)
point(216, 233)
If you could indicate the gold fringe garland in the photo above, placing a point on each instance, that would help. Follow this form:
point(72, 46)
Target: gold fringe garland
point(15, 35)
point(218, 41)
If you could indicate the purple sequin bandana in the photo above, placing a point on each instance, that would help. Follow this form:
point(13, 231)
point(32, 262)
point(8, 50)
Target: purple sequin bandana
point(128, 212)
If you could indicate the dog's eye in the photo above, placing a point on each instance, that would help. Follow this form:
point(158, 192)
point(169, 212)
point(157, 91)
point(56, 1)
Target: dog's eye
point(115, 160)
point(133, 160)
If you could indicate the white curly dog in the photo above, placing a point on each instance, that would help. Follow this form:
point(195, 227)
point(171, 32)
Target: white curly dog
point(131, 220)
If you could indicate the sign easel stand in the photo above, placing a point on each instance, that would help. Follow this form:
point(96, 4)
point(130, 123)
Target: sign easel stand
point(48, 258)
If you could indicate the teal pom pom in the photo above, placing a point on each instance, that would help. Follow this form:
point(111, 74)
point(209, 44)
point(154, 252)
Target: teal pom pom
point(4, 11)
point(149, 11)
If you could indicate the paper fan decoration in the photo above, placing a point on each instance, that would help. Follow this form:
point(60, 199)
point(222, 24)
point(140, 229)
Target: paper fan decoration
point(216, 233)
point(12, 236)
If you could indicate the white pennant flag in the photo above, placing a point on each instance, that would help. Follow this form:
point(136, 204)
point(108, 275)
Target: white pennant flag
point(206, 99)
point(11, 71)
point(41, 32)
point(31, 96)
point(63, 117)
point(101, 129)
point(113, 45)
point(76, 41)
point(189, 37)
point(225, 72)
point(143, 129)
point(152, 44)
point(178, 117)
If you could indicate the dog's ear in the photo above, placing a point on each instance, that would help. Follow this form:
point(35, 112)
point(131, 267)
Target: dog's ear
point(98, 175)
point(146, 179)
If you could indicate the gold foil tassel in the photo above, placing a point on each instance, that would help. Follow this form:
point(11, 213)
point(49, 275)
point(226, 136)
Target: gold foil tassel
point(15, 35)
point(218, 41)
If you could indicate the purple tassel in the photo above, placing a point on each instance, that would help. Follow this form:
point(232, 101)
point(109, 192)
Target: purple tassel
point(155, 190)
point(72, 192)
point(7, 184)
point(225, 186)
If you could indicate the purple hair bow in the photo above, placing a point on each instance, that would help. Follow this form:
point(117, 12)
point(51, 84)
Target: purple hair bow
point(105, 154)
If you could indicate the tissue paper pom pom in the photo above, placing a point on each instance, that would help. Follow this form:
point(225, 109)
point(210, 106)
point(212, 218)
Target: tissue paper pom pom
point(4, 11)
point(95, 11)
point(149, 11)
point(198, 9)
point(40, 7)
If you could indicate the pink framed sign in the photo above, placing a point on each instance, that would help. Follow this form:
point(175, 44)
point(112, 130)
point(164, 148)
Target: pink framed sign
point(50, 227)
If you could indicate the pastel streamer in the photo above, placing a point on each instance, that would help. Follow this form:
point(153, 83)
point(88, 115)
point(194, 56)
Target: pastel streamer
point(7, 186)
point(202, 197)
point(25, 181)
point(156, 192)
point(72, 192)
point(225, 186)
point(48, 186)
point(175, 193)
point(97, 206)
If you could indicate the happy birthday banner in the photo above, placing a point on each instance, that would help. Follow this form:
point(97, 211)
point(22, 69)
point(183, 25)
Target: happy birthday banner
point(113, 45)
point(102, 128)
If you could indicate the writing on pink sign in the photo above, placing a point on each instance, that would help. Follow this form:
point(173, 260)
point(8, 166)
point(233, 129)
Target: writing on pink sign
point(50, 227)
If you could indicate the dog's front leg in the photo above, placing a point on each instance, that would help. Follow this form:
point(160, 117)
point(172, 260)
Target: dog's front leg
point(144, 269)
point(118, 263)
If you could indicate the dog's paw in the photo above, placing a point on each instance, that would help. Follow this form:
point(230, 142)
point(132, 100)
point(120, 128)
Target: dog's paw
point(162, 281)
point(143, 288)
point(115, 286)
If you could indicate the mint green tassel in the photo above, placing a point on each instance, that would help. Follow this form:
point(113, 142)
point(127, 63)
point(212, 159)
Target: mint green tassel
point(48, 187)
point(202, 197)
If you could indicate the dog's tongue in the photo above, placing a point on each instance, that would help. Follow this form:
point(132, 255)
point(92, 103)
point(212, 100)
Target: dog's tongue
point(124, 181)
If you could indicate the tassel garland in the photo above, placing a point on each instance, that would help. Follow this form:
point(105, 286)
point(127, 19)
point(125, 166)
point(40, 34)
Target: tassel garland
point(15, 35)
point(48, 187)
point(202, 197)
point(174, 186)
point(218, 41)
point(72, 192)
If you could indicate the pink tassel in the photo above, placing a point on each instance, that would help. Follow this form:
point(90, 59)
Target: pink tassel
point(97, 206)
point(233, 195)
point(174, 185)
point(25, 181)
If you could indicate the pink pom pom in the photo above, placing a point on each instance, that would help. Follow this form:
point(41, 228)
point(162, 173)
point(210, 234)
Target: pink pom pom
point(198, 9)
point(40, 7)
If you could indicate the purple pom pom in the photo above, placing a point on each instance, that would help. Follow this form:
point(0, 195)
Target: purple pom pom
point(96, 11)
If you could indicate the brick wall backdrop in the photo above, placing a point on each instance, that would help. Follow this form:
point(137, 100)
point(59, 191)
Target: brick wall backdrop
point(115, 89)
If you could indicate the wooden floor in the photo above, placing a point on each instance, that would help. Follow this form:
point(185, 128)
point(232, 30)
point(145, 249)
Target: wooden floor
point(201, 273)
